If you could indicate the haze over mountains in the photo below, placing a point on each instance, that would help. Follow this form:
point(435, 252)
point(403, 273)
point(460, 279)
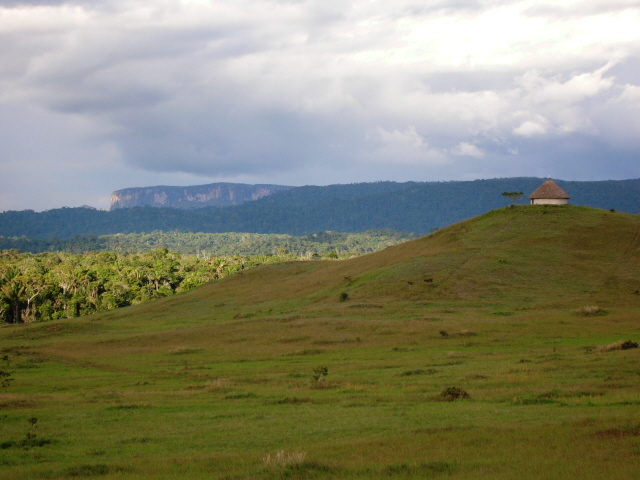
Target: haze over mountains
point(409, 207)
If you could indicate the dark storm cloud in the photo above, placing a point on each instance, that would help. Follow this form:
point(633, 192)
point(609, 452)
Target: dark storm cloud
point(27, 3)
point(326, 91)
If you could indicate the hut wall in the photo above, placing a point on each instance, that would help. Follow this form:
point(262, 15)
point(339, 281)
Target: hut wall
point(549, 201)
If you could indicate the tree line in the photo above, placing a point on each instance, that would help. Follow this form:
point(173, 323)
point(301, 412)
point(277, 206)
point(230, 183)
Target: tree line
point(234, 244)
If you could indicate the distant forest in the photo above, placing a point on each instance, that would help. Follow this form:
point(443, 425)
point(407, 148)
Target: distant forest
point(212, 244)
point(404, 207)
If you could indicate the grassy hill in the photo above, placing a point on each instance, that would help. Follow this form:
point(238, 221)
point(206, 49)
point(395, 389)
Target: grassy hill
point(522, 309)
point(515, 258)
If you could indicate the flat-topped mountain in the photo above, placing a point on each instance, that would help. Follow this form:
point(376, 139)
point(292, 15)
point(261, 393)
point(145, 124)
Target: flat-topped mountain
point(196, 196)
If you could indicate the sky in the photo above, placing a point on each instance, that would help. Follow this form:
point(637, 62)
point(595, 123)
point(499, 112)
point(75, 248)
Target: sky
point(101, 95)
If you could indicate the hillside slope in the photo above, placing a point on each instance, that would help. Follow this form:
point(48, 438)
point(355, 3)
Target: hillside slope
point(523, 257)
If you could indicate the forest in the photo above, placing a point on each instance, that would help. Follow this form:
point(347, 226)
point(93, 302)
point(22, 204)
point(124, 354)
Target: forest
point(48, 286)
point(83, 275)
point(405, 207)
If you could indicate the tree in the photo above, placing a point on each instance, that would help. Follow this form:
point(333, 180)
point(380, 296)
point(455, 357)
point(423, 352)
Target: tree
point(514, 197)
point(12, 293)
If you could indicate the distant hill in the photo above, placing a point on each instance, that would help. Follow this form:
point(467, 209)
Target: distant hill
point(405, 207)
point(197, 196)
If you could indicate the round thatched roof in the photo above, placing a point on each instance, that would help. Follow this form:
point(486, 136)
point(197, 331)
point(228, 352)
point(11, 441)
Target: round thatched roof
point(549, 189)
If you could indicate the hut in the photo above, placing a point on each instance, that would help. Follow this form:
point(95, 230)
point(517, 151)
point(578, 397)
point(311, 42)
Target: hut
point(549, 193)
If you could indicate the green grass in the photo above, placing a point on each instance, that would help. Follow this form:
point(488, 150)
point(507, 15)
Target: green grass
point(217, 383)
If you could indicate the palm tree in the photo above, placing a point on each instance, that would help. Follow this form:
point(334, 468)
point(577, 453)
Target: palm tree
point(12, 293)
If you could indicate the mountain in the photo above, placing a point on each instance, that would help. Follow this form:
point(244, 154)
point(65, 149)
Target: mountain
point(197, 196)
point(404, 207)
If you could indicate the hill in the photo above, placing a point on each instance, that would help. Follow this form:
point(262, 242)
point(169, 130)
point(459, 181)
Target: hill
point(404, 207)
point(529, 256)
point(495, 348)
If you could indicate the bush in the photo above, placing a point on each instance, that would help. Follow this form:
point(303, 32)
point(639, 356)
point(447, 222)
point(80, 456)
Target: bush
point(622, 345)
point(453, 393)
point(319, 373)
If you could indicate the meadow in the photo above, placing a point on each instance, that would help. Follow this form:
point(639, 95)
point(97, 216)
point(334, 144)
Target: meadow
point(492, 348)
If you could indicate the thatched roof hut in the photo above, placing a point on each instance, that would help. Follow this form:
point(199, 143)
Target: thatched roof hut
point(549, 193)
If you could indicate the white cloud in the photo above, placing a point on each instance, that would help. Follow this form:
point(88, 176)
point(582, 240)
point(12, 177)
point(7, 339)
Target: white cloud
point(465, 149)
point(404, 147)
point(530, 129)
point(268, 89)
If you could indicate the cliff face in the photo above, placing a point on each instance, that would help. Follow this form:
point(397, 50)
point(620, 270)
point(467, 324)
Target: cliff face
point(198, 196)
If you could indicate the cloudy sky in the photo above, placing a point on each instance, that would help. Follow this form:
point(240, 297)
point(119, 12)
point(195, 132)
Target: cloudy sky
point(101, 95)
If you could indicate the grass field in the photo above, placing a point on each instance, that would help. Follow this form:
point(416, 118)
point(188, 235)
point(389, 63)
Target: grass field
point(515, 309)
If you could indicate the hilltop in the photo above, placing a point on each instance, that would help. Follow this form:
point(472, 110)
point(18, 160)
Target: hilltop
point(490, 349)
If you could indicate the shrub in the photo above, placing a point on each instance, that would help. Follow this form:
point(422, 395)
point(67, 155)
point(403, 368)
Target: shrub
point(622, 345)
point(5, 379)
point(318, 375)
point(344, 296)
point(453, 393)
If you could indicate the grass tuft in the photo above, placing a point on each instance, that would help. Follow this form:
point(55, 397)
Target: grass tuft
point(591, 311)
point(424, 469)
point(626, 431)
point(240, 396)
point(99, 469)
point(185, 350)
point(284, 459)
point(293, 401)
point(419, 371)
